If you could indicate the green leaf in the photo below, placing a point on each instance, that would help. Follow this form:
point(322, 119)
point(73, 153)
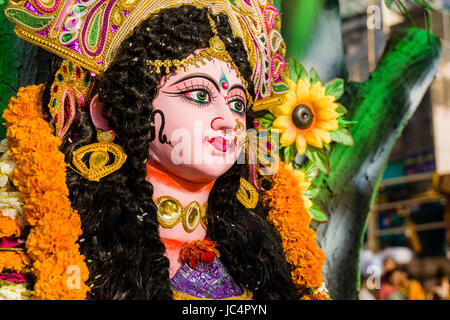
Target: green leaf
point(402, 7)
point(341, 110)
point(343, 136)
point(316, 213)
point(319, 157)
point(266, 118)
point(296, 70)
point(280, 87)
point(313, 76)
point(6, 283)
point(264, 114)
point(312, 192)
point(12, 249)
point(335, 88)
point(389, 3)
point(266, 124)
point(289, 153)
point(346, 123)
point(425, 5)
point(310, 170)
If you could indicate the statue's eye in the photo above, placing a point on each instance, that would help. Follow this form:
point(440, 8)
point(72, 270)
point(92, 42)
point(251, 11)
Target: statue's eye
point(200, 96)
point(237, 106)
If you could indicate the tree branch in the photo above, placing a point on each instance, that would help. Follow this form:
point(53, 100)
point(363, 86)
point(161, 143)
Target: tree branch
point(381, 106)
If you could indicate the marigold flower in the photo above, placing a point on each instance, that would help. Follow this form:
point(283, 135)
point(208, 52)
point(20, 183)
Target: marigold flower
point(40, 178)
point(13, 261)
point(288, 214)
point(9, 227)
point(301, 183)
point(199, 251)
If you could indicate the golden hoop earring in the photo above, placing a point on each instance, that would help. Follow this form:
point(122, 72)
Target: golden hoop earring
point(99, 157)
point(247, 194)
point(239, 132)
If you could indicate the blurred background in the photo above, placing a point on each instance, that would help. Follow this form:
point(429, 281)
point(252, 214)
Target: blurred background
point(406, 253)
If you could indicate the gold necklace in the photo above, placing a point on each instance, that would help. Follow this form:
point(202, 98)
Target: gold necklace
point(170, 212)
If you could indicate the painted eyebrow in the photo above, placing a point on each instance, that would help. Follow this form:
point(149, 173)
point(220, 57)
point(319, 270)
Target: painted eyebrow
point(199, 75)
point(237, 86)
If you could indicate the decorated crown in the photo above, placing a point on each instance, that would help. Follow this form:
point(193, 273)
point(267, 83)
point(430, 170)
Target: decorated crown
point(90, 31)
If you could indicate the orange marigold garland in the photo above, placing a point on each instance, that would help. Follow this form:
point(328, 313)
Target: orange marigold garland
point(16, 261)
point(290, 217)
point(195, 252)
point(316, 296)
point(9, 227)
point(39, 177)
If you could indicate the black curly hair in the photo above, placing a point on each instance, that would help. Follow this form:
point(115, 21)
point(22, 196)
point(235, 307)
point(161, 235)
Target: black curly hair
point(120, 241)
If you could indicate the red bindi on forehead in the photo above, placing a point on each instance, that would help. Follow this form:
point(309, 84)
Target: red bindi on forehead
point(224, 85)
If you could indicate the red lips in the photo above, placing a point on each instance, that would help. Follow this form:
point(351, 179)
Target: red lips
point(220, 143)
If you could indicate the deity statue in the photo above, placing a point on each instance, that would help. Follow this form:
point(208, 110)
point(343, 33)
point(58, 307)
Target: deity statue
point(132, 172)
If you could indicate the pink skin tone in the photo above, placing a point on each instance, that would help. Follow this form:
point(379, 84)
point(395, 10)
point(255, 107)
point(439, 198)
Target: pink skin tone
point(218, 115)
point(206, 107)
point(205, 125)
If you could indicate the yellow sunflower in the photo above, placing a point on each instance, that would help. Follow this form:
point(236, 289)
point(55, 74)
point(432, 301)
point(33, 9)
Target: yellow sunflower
point(306, 117)
point(302, 183)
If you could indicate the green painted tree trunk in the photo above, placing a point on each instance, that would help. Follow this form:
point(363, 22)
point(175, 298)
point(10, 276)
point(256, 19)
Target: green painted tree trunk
point(381, 106)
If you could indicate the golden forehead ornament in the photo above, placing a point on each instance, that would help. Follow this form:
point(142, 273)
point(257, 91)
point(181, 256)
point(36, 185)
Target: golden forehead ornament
point(89, 32)
point(217, 49)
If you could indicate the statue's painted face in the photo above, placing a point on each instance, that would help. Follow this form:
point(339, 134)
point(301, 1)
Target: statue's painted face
point(198, 116)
